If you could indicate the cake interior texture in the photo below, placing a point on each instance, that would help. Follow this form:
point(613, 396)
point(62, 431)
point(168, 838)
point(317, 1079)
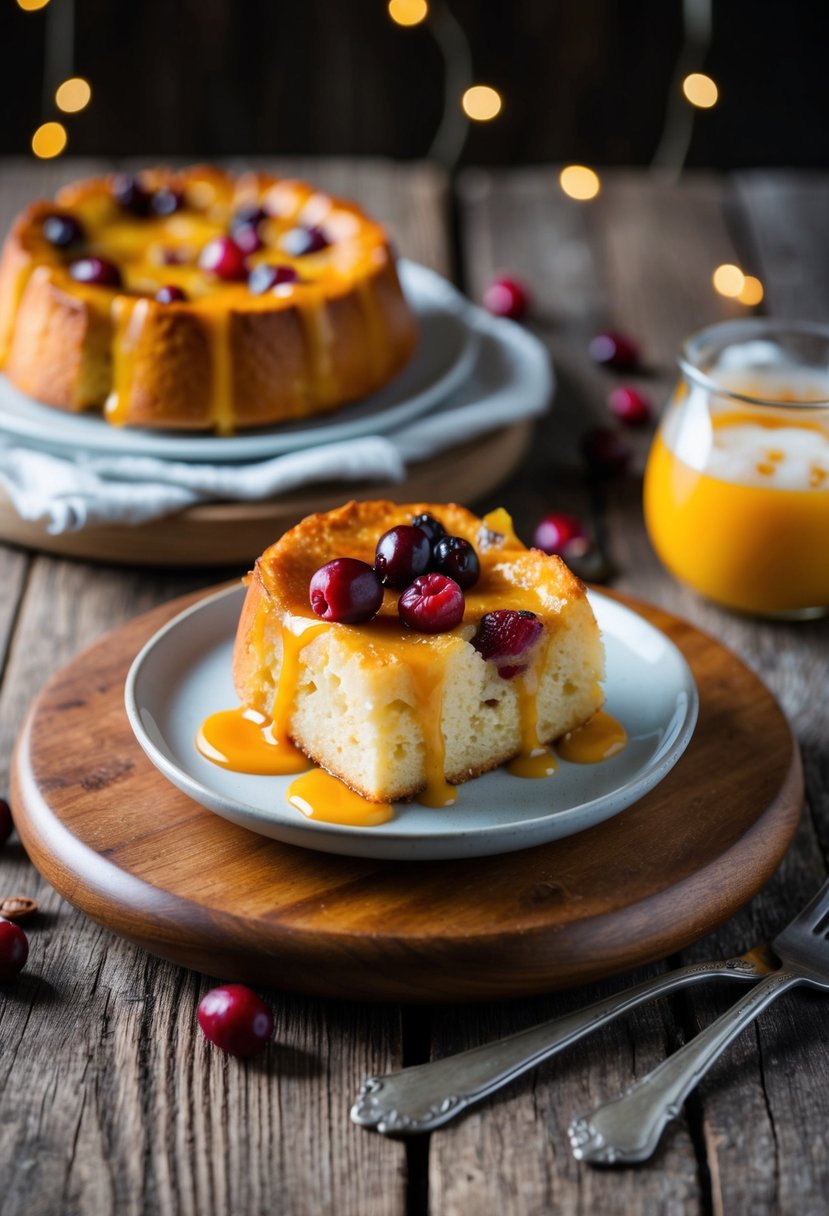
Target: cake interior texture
point(391, 711)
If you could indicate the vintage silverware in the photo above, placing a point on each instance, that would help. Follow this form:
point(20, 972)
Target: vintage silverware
point(627, 1129)
point(424, 1097)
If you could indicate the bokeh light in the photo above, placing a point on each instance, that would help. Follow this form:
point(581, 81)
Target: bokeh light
point(408, 12)
point(577, 181)
point(73, 95)
point(728, 280)
point(49, 140)
point(700, 90)
point(752, 291)
point(481, 103)
point(31, 6)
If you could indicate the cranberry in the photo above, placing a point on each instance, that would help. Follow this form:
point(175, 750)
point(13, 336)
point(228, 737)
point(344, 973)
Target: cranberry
point(555, 533)
point(171, 294)
point(223, 257)
point(166, 201)
point(346, 590)
point(249, 215)
point(6, 821)
point(455, 556)
point(504, 635)
point(613, 349)
point(14, 949)
point(264, 278)
point(507, 298)
point(427, 523)
point(605, 452)
point(97, 271)
point(630, 406)
point(63, 230)
point(432, 604)
point(401, 554)
point(235, 1019)
point(296, 242)
point(248, 239)
point(130, 194)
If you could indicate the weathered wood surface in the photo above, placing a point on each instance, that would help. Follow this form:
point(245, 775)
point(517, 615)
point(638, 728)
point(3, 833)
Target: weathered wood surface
point(109, 1102)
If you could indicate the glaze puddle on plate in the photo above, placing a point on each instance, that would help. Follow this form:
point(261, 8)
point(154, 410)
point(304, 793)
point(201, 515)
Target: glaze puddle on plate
point(183, 674)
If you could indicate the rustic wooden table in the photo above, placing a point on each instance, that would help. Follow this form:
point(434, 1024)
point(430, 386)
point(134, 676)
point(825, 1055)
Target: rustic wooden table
point(110, 1100)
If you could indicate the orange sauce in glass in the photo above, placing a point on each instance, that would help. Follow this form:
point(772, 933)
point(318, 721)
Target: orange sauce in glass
point(749, 529)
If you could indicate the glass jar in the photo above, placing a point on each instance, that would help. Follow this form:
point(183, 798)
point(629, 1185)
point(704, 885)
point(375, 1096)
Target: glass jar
point(737, 481)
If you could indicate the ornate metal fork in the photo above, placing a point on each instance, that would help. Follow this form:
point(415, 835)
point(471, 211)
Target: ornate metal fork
point(627, 1129)
point(426, 1096)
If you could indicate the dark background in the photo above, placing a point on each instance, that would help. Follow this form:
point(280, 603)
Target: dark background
point(584, 80)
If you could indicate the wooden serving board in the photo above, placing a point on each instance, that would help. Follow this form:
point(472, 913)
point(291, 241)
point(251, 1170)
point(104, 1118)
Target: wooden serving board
point(119, 842)
point(234, 533)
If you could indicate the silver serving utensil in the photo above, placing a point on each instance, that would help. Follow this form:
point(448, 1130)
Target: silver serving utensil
point(424, 1097)
point(627, 1129)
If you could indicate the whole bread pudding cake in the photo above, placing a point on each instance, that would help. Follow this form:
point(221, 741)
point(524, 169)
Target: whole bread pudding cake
point(404, 648)
point(197, 300)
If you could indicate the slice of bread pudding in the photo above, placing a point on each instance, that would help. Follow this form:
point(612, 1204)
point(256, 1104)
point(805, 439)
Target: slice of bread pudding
point(395, 712)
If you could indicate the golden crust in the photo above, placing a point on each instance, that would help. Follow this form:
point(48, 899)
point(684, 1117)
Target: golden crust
point(223, 359)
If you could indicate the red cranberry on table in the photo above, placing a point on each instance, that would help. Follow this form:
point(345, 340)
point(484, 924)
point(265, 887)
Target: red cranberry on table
point(504, 635)
point(171, 294)
point(630, 406)
point(557, 532)
point(14, 949)
point(433, 603)
point(63, 230)
point(97, 271)
point(506, 297)
point(401, 555)
point(235, 1019)
point(346, 590)
point(265, 277)
point(456, 557)
point(296, 242)
point(605, 453)
point(130, 194)
point(223, 258)
point(166, 201)
point(614, 349)
point(427, 523)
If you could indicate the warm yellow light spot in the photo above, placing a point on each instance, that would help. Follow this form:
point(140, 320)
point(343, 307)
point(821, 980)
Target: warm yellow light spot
point(31, 6)
point(728, 280)
point(578, 181)
point(481, 102)
point(700, 90)
point(408, 12)
point(73, 95)
point(752, 291)
point(49, 140)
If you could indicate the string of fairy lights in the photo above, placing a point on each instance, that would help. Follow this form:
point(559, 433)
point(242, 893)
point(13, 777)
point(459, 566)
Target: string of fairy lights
point(472, 101)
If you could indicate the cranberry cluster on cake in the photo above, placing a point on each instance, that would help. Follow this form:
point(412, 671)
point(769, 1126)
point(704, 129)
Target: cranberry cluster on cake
point(424, 645)
point(196, 300)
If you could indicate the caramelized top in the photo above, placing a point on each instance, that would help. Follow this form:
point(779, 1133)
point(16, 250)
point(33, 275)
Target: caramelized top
point(512, 576)
point(153, 251)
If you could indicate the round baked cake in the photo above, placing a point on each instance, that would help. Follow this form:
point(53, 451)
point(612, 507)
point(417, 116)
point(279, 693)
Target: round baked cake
point(197, 300)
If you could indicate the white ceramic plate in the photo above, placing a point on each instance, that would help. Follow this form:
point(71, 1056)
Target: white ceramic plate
point(444, 357)
point(183, 674)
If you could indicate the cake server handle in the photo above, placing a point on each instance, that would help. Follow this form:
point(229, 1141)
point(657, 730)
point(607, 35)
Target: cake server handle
point(426, 1096)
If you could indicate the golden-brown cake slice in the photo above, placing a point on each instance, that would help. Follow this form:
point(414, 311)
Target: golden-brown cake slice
point(394, 712)
point(197, 300)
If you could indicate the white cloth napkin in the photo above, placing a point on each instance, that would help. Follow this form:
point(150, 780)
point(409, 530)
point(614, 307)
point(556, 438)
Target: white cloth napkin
point(512, 380)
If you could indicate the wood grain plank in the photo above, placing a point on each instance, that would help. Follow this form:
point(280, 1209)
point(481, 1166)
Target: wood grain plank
point(111, 1102)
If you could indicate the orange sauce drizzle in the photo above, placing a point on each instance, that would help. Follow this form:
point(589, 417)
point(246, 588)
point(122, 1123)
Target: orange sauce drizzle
point(128, 317)
point(429, 691)
point(243, 740)
point(320, 796)
point(217, 329)
point(599, 739)
point(376, 344)
point(536, 760)
point(317, 327)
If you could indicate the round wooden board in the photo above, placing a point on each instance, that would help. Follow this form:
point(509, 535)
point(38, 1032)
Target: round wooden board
point(138, 856)
point(234, 533)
